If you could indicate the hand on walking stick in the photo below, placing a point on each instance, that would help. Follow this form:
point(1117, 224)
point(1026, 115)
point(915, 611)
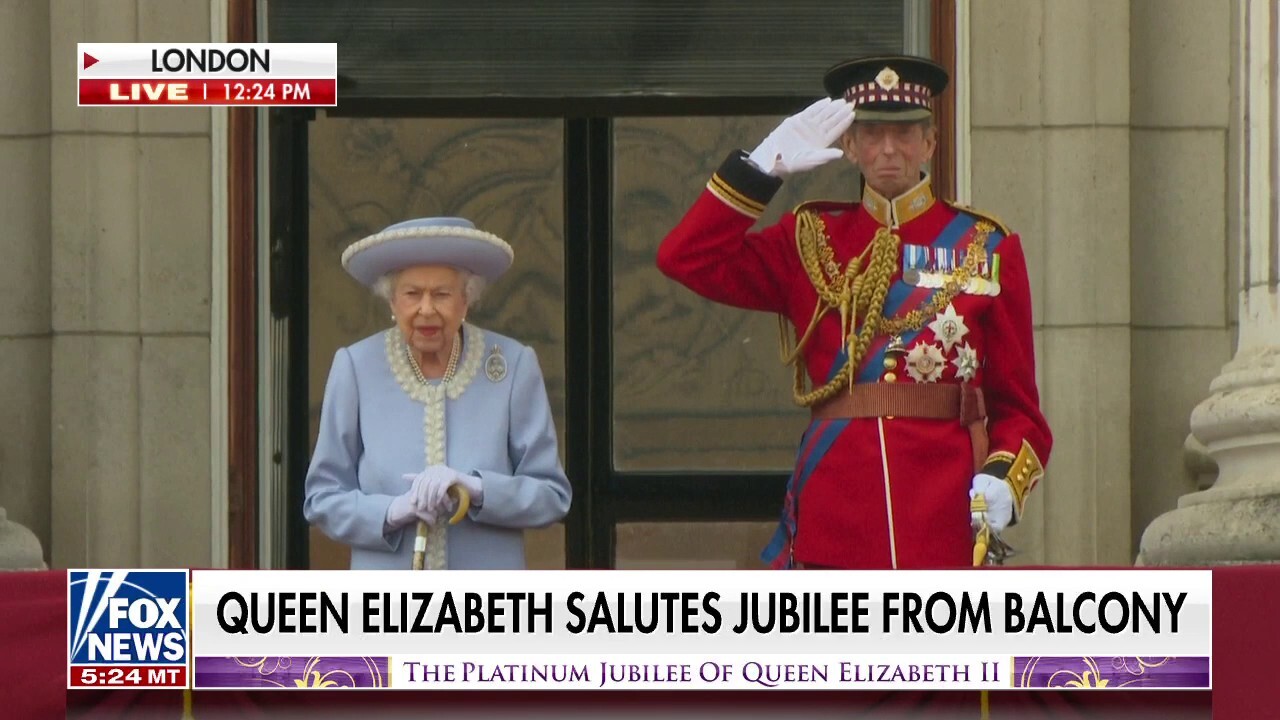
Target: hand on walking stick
point(463, 499)
point(988, 547)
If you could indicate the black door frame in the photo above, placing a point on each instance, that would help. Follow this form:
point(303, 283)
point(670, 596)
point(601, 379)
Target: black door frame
point(604, 496)
point(289, 253)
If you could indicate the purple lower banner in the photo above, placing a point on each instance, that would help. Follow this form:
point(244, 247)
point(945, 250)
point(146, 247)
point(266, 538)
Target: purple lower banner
point(1093, 672)
point(346, 672)
point(291, 672)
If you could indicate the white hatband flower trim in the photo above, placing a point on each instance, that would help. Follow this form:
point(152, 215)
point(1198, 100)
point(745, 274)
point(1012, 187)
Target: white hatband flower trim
point(426, 232)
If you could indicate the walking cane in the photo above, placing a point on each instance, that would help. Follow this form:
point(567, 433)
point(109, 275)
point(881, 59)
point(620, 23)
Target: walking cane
point(983, 538)
point(981, 542)
point(458, 493)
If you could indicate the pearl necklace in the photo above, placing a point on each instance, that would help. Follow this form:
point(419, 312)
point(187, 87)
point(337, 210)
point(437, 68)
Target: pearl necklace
point(448, 370)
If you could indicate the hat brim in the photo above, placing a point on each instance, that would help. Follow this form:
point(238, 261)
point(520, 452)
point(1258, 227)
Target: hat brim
point(482, 253)
point(866, 114)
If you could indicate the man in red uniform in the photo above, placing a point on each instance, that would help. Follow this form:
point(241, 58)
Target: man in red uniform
point(912, 321)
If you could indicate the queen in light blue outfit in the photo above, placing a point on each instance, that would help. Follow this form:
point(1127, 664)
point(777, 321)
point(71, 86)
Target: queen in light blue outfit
point(430, 404)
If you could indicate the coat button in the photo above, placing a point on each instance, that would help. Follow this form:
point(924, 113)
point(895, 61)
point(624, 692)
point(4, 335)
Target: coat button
point(890, 377)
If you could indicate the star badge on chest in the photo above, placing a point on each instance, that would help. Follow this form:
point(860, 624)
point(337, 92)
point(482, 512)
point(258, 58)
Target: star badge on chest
point(925, 363)
point(949, 327)
point(966, 362)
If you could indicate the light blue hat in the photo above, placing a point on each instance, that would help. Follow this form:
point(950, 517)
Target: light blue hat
point(427, 241)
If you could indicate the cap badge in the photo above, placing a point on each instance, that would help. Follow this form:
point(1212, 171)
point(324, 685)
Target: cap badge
point(887, 79)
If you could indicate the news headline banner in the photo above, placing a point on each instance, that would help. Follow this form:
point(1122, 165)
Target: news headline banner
point(207, 74)
point(707, 630)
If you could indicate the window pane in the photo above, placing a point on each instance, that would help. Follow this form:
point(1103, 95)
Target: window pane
point(505, 176)
point(544, 548)
point(588, 48)
point(698, 386)
point(692, 546)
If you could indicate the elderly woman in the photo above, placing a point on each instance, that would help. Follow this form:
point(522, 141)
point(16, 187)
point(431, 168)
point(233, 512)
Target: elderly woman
point(430, 404)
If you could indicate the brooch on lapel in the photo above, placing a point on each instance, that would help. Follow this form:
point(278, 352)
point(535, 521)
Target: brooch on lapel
point(495, 366)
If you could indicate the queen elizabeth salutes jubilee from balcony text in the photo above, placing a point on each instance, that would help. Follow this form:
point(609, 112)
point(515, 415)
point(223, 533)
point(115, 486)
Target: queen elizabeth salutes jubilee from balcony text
point(431, 406)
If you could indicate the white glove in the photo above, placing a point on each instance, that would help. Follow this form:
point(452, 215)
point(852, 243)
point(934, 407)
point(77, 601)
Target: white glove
point(432, 496)
point(999, 499)
point(803, 141)
point(403, 509)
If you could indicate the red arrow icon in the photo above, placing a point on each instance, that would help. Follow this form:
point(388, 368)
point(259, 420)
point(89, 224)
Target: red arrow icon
point(89, 61)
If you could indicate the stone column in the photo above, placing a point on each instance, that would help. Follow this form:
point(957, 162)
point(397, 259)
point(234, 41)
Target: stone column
point(1237, 520)
point(25, 458)
point(1050, 122)
point(131, 280)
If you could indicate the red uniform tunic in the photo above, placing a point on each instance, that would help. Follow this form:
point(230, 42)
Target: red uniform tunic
point(880, 492)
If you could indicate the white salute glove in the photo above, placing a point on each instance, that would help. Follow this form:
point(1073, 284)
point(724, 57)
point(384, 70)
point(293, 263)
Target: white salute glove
point(803, 141)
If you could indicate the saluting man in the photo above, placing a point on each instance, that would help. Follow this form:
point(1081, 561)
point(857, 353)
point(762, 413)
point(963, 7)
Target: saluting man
point(911, 318)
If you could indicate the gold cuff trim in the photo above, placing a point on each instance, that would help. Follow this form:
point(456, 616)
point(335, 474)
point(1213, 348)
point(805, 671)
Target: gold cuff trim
point(733, 198)
point(1000, 456)
point(1024, 474)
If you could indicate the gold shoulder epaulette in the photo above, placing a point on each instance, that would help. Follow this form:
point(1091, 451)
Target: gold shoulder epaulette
point(980, 214)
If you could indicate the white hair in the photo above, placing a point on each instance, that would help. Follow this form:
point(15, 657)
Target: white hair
point(473, 285)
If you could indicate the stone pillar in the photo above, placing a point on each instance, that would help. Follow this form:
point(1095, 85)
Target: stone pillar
point(1183, 296)
point(1050, 122)
point(131, 281)
point(1237, 520)
point(24, 270)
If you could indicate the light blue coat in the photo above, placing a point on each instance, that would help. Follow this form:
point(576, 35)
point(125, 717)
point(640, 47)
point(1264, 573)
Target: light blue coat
point(372, 432)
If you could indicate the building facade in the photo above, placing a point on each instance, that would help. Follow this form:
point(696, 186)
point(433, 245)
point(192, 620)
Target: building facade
point(1112, 135)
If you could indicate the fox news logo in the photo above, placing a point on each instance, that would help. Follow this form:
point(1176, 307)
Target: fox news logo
point(127, 628)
